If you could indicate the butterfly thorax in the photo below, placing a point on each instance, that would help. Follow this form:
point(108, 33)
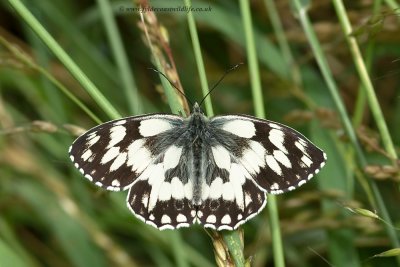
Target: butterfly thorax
point(197, 149)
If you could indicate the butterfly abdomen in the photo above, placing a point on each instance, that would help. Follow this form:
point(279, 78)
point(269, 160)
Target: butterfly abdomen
point(196, 147)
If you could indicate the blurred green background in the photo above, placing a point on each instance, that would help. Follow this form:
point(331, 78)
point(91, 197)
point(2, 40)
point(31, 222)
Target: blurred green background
point(51, 216)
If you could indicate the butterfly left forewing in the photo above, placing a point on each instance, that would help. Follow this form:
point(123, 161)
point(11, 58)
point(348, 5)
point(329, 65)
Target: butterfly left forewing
point(112, 155)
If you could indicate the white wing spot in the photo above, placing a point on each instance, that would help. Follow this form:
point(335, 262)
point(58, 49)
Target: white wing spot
point(110, 154)
point(247, 199)
point(240, 216)
point(216, 188)
point(205, 191)
point(117, 133)
point(153, 127)
point(87, 154)
point(165, 192)
point(172, 157)
point(237, 186)
point(166, 226)
point(91, 135)
point(165, 219)
point(181, 218)
point(301, 183)
point(258, 149)
point(120, 122)
point(115, 183)
point(139, 157)
point(93, 140)
point(151, 217)
point(145, 200)
point(211, 219)
point(273, 164)
point(228, 192)
point(277, 138)
point(275, 126)
point(307, 161)
point(177, 188)
point(226, 219)
point(303, 142)
point(221, 157)
point(155, 177)
point(253, 158)
point(87, 176)
point(282, 158)
point(302, 146)
point(182, 225)
point(121, 159)
point(275, 186)
point(240, 127)
point(188, 189)
point(237, 173)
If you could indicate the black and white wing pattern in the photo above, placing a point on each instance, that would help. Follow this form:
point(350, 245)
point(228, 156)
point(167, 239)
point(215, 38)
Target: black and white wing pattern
point(181, 171)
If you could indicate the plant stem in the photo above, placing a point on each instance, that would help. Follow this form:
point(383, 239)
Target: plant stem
point(260, 112)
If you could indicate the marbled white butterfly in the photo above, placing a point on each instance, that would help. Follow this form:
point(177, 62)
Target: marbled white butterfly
point(181, 171)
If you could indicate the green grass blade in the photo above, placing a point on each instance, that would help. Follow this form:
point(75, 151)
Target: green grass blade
point(260, 112)
point(26, 60)
point(339, 177)
point(199, 59)
point(361, 97)
point(282, 40)
point(366, 81)
point(9, 257)
point(393, 4)
point(377, 202)
point(64, 58)
point(121, 58)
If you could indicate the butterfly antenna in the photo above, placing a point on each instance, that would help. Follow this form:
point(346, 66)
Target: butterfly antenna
point(220, 80)
point(171, 83)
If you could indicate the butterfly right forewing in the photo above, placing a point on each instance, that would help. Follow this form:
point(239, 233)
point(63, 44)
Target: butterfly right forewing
point(277, 157)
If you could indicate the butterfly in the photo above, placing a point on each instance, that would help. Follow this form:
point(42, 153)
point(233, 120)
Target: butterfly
point(181, 171)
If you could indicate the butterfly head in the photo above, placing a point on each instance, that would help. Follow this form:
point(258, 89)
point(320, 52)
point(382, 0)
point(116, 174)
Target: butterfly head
point(197, 109)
